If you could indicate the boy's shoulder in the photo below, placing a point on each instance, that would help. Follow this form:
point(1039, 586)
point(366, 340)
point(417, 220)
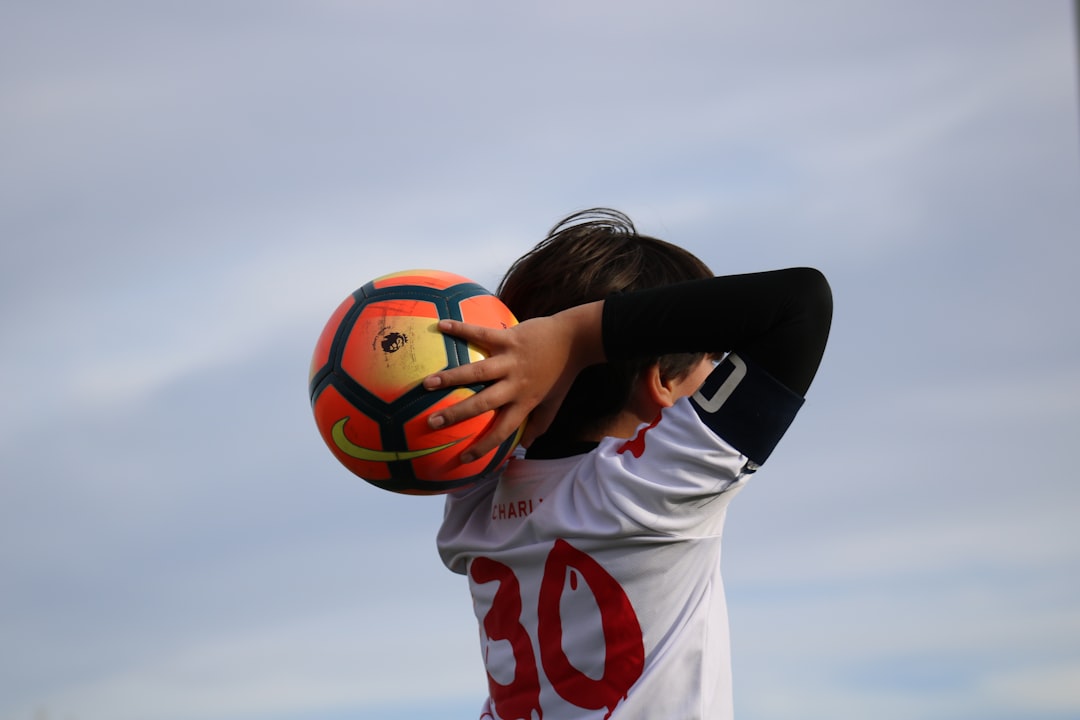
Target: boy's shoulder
point(668, 471)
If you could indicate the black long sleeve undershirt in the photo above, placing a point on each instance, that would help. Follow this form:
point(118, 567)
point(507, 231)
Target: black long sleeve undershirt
point(779, 320)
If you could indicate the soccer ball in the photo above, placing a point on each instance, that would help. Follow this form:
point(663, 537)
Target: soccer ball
point(366, 373)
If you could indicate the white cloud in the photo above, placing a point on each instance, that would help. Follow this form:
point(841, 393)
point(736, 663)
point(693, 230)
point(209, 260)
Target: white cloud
point(1019, 394)
point(899, 649)
point(1052, 688)
point(318, 664)
point(189, 190)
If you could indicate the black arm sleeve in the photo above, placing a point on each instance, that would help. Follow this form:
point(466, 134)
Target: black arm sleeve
point(779, 319)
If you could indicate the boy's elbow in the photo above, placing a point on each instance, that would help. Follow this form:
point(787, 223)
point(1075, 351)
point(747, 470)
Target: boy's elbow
point(815, 294)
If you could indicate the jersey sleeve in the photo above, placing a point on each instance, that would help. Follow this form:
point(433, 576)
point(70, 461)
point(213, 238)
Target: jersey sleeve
point(747, 407)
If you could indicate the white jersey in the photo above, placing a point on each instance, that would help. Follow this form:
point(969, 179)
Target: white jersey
point(596, 578)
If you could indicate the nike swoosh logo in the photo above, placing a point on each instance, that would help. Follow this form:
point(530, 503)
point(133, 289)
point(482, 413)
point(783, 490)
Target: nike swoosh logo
point(362, 453)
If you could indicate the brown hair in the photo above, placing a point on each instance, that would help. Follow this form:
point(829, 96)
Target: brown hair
point(586, 257)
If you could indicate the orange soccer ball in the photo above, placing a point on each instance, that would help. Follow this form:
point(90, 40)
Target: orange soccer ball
point(366, 374)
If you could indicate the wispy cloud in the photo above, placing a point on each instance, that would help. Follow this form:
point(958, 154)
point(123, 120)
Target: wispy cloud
point(189, 191)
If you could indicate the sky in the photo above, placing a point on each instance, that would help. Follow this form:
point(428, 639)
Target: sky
point(188, 189)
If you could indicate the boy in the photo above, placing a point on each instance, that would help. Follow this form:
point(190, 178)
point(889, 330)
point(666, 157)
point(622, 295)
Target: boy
point(653, 390)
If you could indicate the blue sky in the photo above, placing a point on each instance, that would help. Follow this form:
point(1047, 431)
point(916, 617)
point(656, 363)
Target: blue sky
point(188, 190)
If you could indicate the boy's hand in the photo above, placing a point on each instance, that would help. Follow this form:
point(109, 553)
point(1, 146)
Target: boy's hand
point(529, 369)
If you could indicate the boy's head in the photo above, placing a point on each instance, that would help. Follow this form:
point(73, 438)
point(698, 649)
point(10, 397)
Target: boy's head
point(586, 257)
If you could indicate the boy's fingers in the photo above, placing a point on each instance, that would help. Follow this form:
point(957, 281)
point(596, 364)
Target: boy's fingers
point(539, 421)
point(478, 404)
point(472, 373)
point(475, 334)
point(506, 424)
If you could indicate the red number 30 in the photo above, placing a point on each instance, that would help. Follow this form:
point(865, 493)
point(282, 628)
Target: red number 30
point(624, 653)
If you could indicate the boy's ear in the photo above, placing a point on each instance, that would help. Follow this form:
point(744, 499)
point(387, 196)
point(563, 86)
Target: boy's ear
point(660, 391)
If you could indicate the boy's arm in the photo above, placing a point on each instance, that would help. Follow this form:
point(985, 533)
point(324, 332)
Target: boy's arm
point(779, 320)
point(774, 326)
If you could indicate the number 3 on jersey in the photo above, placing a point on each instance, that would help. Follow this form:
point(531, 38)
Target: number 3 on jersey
point(624, 653)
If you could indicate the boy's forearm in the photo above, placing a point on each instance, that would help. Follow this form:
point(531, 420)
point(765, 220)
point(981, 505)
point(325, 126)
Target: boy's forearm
point(779, 319)
point(583, 325)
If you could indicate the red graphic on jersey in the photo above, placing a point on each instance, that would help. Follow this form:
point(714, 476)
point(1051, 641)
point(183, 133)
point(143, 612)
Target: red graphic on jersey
point(624, 652)
point(637, 446)
point(521, 697)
